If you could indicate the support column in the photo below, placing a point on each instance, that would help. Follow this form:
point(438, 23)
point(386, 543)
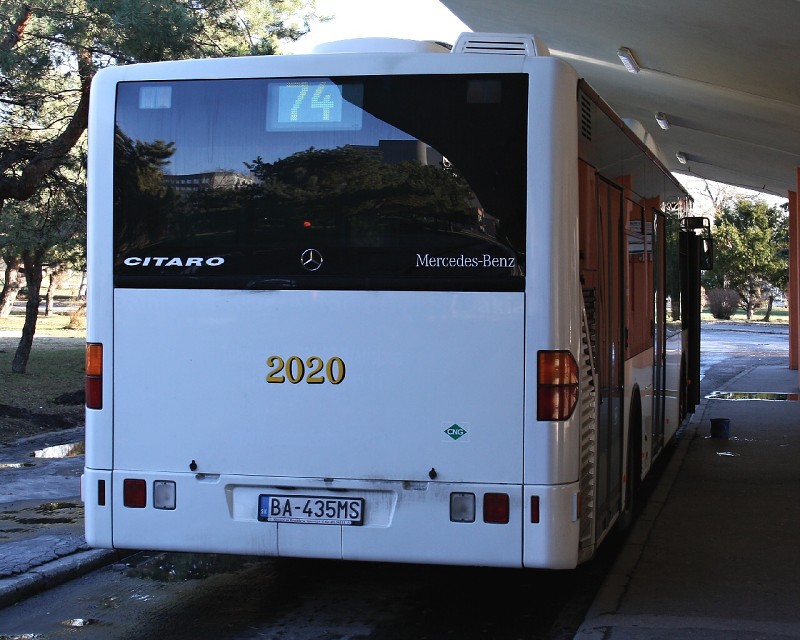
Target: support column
point(794, 277)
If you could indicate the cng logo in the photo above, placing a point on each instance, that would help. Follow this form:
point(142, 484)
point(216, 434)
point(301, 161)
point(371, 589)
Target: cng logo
point(455, 432)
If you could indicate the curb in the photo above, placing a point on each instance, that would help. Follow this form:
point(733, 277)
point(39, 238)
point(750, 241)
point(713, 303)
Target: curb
point(608, 598)
point(51, 574)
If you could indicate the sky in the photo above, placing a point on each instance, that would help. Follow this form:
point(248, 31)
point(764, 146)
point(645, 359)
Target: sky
point(414, 19)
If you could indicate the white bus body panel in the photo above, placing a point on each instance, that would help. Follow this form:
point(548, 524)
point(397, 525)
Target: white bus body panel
point(194, 384)
point(552, 285)
point(185, 374)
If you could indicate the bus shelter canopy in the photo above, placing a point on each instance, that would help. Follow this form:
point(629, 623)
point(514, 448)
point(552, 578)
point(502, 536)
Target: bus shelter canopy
point(723, 75)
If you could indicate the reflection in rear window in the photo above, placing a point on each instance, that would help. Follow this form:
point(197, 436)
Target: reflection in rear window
point(400, 182)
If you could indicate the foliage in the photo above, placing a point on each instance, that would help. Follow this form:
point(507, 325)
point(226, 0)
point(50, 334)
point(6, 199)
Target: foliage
point(722, 303)
point(751, 250)
point(48, 227)
point(51, 225)
point(312, 180)
point(50, 50)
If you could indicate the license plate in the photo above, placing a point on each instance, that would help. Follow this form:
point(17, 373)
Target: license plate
point(311, 510)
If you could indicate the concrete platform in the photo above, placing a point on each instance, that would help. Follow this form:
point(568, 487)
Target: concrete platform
point(716, 552)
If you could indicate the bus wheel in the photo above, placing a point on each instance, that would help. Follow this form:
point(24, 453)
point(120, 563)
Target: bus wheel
point(633, 466)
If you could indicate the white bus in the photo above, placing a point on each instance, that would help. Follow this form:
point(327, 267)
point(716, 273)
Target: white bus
point(404, 305)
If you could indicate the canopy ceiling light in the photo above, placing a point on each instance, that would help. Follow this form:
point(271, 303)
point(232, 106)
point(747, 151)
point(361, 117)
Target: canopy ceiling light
point(661, 119)
point(681, 156)
point(626, 57)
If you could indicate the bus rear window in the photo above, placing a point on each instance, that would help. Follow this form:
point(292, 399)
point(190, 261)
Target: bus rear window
point(380, 182)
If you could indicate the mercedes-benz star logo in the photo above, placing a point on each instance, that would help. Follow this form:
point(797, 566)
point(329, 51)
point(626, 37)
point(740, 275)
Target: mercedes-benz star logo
point(311, 259)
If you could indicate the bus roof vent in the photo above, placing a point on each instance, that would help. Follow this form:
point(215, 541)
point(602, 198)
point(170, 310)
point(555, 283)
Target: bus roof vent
point(500, 44)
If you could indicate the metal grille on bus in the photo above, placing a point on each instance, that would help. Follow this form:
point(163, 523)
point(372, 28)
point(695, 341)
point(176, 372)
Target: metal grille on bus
point(586, 117)
point(590, 312)
point(588, 429)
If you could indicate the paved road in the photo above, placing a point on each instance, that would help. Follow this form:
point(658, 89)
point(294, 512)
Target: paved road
point(728, 348)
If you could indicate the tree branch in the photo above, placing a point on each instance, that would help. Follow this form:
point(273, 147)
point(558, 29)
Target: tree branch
point(24, 186)
point(14, 35)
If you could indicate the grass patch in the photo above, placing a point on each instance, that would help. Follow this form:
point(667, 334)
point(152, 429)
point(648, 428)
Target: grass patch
point(55, 325)
point(779, 315)
point(52, 371)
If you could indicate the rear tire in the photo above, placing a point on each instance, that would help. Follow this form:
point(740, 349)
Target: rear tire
point(633, 468)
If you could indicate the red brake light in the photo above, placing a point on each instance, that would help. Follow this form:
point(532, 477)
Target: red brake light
point(495, 508)
point(134, 493)
point(557, 388)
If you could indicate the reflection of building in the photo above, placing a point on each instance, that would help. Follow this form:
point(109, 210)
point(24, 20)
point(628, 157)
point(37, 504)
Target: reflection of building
point(395, 151)
point(209, 180)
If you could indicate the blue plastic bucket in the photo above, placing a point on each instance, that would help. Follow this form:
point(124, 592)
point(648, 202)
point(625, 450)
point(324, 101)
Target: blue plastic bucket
point(720, 427)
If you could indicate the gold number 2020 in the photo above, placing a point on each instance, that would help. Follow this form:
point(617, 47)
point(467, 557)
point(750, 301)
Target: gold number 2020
point(313, 370)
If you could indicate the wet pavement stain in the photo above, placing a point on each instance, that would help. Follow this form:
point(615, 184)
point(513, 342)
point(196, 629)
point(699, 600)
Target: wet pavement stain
point(79, 622)
point(69, 450)
point(50, 507)
point(176, 567)
point(47, 513)
point(46, 520)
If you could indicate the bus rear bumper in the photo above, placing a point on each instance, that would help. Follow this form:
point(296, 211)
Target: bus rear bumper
point(552, 526)
point(403, 521)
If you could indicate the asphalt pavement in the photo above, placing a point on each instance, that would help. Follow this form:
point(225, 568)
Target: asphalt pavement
point(715, 553)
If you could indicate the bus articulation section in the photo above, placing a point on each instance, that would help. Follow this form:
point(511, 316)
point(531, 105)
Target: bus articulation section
point(417, 306)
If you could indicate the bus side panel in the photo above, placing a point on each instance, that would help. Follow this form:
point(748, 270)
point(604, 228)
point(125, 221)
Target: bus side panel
point(99, 320)
point(553, 320)
point(96, 483)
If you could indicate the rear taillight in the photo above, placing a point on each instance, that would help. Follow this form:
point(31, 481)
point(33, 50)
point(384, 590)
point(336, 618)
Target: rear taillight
point(495, 508)
point(535, 512)
point(134, 493)
point(94, 375)
point(557, 385)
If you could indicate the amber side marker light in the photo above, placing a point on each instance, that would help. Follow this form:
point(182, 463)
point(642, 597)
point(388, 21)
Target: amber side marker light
point(557, 385)
point(94, 375)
